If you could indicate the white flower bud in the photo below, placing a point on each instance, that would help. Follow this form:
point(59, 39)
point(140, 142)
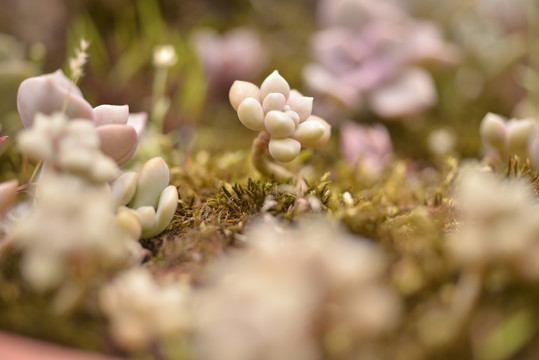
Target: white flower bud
point(324, 138)
point(104, 170)
point(493, 131)
point(76, 160)
point(241, 90)
point(251, 114)
point(274, 101)
point(164, 56)
point(309, 132)
point(279, 124)
point(82, 131)
point(518, 134)
point(274, 83)
point(284, 150)
point(152, 180)
point(303, 105)
point(34, 145)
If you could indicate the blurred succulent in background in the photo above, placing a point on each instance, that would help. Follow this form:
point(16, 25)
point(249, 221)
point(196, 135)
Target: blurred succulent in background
point(503, 138)
point(236, 54)
point(142, 313)
point(296, 293)
point(368, 147)
point(145, 200)
point(8, 192)
point(118, 131)
point(70, 240)
point(371, 55)
point(283, 118)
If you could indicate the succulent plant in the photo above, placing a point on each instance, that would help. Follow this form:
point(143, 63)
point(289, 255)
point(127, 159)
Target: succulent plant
point(282, 116)
point(511, 137)
point(47, 94)
point(145, 201)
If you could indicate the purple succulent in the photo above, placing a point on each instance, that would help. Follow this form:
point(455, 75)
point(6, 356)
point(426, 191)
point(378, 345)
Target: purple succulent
point(370, 55)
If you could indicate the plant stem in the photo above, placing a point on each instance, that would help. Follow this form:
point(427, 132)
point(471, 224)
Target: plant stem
point(259, 152)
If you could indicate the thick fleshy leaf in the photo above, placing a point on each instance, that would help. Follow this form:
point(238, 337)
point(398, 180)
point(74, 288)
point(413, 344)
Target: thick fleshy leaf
point(138, 122)
point(118, 141)
point(279, 124)
point(274, 83)
point(251, 114)
point(123, 188)
point(324, 138)
point(48, 94)
point(111, 114)
point(284, 150)
point(309, 132)
point(168, 202)
point(493, 131)
point(241, 90)
point(152, 180)
point(303, 105)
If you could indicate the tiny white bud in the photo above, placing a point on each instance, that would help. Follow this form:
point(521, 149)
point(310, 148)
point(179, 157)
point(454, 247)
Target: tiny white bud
point(240, 91)
point(164, 56)
point(251, 114)
point(518, 134)
point(279, 124)
point(34, 145)
point(105, 169)
point(324, 138)
point(303, 105)
point(493, 131)
point(284, 150)
point(309, 132)
point(274, 101)
point(274, 83)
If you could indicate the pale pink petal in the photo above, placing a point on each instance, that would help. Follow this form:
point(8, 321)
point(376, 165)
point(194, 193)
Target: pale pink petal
point(118, 141)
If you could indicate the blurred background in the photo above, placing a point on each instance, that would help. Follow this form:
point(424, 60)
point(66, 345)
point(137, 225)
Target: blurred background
point(422, 72)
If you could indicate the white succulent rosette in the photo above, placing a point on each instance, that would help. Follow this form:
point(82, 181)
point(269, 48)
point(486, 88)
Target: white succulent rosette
point(145, 201)
point(283, 113)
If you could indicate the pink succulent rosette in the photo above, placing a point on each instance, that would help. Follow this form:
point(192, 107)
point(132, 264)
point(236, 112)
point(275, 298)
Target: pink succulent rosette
point(236, 54)
point(369, 146)
point(118, 129)
point(283, 114)
point(371, 54)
